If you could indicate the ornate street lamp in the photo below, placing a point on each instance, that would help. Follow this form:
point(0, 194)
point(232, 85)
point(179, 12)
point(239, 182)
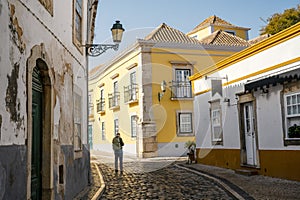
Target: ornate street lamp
point(97, 49)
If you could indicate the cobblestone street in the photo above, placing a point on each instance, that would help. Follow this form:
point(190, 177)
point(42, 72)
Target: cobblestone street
point(171, 178)
point(169, 182)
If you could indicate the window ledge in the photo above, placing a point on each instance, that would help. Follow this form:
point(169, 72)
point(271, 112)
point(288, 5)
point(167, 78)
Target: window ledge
point(115, 107)
point(291, 141)
point(101, 112)
point(132, 101)
point(185, 134)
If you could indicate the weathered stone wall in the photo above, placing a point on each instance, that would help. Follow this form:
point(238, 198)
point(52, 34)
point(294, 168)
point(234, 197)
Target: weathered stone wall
point(28, 34)
point(13, 161)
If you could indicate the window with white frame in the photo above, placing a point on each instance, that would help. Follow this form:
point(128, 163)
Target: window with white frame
point(116, 126)
point(216, 123)
point(77, 121)
point(292, 106)
point(184, 123)
point(133, 126)
point(181, 85)
point(103, 131)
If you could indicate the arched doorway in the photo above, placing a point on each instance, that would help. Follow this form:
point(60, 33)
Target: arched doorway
point(39, 127)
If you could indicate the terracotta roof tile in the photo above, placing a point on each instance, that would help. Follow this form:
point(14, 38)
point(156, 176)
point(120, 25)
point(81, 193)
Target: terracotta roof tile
point(223, 38)
point(165, 33)
point(259, 38)
point(214, 20)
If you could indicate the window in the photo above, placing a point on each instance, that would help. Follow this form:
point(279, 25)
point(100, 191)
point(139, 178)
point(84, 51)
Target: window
point(184, 123)
point(292, 106)
point(77, 121)
point(77, 22)
point(90, 135)
point(91, 105)
point(116, 126)
point(133, 125)
point(101, 102)
point(131, 91)
point(230, 32)
point(216, 128)
point(114, 98)
point(181, 85)
point(103, 131)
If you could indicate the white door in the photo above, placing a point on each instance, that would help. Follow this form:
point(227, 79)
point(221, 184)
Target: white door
point(250, 134)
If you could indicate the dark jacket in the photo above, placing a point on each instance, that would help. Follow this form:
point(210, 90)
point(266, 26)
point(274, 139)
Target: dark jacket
point(117, 143)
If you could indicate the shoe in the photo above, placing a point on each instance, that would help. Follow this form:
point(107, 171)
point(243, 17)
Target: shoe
point(116, 171)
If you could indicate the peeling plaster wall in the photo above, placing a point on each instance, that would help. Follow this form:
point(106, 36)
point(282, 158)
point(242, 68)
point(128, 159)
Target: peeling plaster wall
point(24, 26)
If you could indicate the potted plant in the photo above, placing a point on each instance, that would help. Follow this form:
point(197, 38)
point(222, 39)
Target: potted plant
point(294, 131)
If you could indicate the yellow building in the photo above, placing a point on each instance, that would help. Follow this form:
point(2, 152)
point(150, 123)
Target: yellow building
point(145, 93)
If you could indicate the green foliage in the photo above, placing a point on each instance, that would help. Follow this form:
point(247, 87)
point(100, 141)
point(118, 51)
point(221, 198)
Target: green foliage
point(278, 22)
point(294, 131)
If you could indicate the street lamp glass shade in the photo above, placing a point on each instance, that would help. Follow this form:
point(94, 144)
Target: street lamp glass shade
point(117, 32)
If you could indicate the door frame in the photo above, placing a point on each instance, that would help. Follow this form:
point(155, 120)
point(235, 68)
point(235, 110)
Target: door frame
point(244, 99)
point(250, 140)
point(40, 59)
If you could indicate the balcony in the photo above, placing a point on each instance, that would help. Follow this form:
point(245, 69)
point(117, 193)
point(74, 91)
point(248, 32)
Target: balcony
point(131, 93)
point(91, 111)
point(101, 106)
point(114, 100)
point(181, 90)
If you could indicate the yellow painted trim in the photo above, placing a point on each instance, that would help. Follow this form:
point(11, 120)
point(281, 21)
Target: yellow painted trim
point(253, 74)
point(276, 39)
point(202, 92)
point(263, 71)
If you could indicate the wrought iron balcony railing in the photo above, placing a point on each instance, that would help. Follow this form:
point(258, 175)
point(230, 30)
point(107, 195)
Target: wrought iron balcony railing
point(100, 105)
point(181, 89)
point(131, 93)
point(114, 99)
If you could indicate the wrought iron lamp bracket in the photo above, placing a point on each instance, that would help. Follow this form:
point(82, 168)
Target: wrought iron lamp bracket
point(98, 49)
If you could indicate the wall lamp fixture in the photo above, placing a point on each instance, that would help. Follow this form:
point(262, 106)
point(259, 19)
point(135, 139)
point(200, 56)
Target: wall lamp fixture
point(98, 49)
point(163, 86)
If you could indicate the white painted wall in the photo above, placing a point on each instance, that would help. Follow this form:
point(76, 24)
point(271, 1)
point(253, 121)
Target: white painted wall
point(269, 114)
point(262, 60)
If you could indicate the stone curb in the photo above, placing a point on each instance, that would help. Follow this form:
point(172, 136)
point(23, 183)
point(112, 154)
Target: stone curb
point(222, 183)
point(102, 184)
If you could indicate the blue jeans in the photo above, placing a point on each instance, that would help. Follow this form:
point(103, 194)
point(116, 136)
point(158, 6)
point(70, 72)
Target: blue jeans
point(119, 156)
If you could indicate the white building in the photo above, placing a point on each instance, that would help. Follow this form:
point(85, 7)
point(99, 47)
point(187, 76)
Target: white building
point(249, 108)
point(43, 120)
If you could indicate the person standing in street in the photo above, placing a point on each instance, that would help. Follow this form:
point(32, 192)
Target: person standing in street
point(117, 144)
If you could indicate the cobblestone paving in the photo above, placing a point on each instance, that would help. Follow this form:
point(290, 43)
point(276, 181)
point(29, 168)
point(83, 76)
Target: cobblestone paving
point(168, 182)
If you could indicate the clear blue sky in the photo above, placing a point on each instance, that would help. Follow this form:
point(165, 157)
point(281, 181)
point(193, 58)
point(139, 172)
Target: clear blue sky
point(140, 17)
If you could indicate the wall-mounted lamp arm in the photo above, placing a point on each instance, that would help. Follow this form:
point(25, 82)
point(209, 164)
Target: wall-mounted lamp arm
point(98, 49)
